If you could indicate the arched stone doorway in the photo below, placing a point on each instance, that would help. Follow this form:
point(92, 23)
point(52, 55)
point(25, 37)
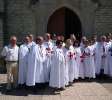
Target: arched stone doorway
point(65, 21)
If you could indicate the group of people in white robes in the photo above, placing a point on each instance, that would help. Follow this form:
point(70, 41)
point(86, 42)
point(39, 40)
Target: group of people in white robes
point(59, 63)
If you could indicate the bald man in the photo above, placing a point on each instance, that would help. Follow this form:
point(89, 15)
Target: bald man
point(100, 54)
point(48, 44)
point(31, 42)
point(104, 44)
point(10, 53)
point(23, 57)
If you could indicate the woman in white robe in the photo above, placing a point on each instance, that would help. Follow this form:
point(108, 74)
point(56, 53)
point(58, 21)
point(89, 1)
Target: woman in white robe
point(92, 61)
point(70, 60)
point(89, 68)
point(81, 68)
point(57, 73)
point(78, 60)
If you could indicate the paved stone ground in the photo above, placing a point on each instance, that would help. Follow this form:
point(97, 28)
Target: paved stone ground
point(95, 90)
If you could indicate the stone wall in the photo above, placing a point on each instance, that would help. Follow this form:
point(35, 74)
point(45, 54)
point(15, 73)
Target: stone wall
point(25, 17)
point(104, 20)
point(85, 10)
point(20, 18)
point(1, 34)
point(1, 23)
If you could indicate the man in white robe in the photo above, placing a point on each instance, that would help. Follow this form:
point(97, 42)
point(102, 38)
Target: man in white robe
point(104, 54)
point(49, 48)
point(48, 42)
point(36, 61)
point(98, 58)
point(40, 61)
point(31, 39)
point(108, 56)
point(57, 73)
point(94, 41)
point(110, 60)
point(54, 38)
point(23, 61)
point(31, 70)
point(100, 55)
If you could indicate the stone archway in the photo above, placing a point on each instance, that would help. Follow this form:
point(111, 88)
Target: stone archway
point(65, 21)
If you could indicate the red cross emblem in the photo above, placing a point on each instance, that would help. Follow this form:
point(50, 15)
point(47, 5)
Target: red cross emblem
point(86, 54)
point(48, 50)
point(71, 55)
point(82, 57)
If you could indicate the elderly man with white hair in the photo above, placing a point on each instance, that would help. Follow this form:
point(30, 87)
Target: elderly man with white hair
point(23, 61)
point(10, 53)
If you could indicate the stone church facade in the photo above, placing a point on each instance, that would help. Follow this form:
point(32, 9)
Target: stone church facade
point(82, 17)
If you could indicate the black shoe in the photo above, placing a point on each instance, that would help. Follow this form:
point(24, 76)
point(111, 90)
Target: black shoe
point(62, 89)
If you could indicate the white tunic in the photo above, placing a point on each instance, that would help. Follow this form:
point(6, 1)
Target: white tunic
point(107, 56)
point(99, 61)
point(89, 68)
point(87, 64)
point(36, 60)
point(57, 73)
point(70, 63)
point(40, 67)
point(110, 61)
point(80, 70)
point(31, 71)
point(23, 63)
point(47, 63)
point(48, 44)
point(104, 59)
point(92, 61)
